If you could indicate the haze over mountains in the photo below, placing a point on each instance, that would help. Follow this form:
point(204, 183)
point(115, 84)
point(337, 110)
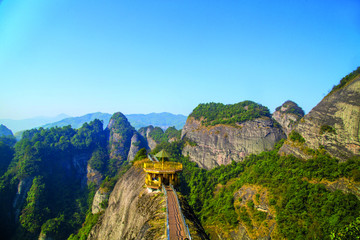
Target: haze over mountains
point(162, 120)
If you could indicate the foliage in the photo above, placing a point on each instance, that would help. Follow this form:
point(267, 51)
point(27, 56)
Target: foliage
point(141, 154)
point(160, 136)
point(34, 213)
point(90, 221)
point(292, 108)
point(98, 159)
point(327, 128)
point(58, 200)
point(6, 155)
point(9, 140)
point(4, 131)
point(348, 78)
point(218, 113)
point(351, 231)
point(172, 132)
point(296, 137)
point(304, 210)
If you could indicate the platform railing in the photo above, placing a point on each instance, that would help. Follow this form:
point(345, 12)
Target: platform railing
point(149, 157)
point(174, 166)
point(187, 231)
point(167, 214)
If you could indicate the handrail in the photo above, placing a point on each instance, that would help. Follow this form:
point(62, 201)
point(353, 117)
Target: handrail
point(151, 159)
point(182, 215)
point(156, 158)
point(167, 213)
point(175, 166)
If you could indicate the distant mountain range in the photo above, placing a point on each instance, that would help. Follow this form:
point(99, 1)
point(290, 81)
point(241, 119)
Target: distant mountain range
point(29, 123)
point(162, 120)
point(77, 122)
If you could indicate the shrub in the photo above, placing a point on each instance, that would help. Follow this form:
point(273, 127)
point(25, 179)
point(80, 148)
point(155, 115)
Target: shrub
point(296, 137)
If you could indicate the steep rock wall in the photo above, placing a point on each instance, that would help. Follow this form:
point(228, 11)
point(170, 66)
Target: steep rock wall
point(287, 115)
point(121, 133)
point(145, 132)
point(137, 142)
point(334, 124)
point(133, 211)
point(220, 144)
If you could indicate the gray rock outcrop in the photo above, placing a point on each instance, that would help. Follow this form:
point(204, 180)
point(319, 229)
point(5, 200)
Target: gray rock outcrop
point(287, 115)
point(99, 197)
point(133, 212)
point(145, 132)
point(333, 125)
point(137, 142)
point(221, 144)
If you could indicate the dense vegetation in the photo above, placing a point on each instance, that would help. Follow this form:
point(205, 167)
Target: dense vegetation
point(6, 155)
point(50, 161)
point(345, 80)
point(6, 136)
point(292, 108)
point(304, 210)
point(218, 113)
point(160, 136)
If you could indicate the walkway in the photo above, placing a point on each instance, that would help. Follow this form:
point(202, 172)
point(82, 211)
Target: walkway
point(176, 228)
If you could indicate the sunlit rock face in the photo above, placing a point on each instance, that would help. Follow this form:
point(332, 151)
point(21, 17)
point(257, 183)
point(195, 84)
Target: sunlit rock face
point(287, 115)
point(221, 144)
point(333, 125)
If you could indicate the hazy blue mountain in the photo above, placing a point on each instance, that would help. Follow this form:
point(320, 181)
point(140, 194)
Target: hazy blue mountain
point(162, 120)
point(77, 122)
point(4, 131)
point(24, 124)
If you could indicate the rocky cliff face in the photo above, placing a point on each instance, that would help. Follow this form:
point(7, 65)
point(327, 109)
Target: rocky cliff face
point(137, 142)
point(133, 211)
point(334, 125)
point(220, 144)
point(121, 133)
point(145, 132)
point(22, 190)
point(79, 162)
point(99, 197)
point(287, 115)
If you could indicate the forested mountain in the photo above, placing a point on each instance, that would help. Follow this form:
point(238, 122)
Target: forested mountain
point(47, 187)
point(4, 131)
point(26, 124)
point(246, 174)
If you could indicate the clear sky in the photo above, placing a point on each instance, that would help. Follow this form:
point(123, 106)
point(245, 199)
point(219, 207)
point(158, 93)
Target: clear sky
point(78, 57)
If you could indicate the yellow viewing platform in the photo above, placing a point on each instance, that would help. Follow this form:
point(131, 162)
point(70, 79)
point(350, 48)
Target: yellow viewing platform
point(159, 173)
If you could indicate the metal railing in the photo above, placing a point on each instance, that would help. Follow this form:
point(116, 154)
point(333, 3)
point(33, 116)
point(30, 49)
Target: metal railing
point(167, 214)
point(174, 166)
point(152, 159)
point(187, 232)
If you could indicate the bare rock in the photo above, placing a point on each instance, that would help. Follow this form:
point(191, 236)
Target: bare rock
point(287, 115)
point(133, 212)
point(334, 125)
point(221, 144)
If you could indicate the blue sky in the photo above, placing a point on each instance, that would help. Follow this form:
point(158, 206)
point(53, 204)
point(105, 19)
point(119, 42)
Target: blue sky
point(78, 57)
